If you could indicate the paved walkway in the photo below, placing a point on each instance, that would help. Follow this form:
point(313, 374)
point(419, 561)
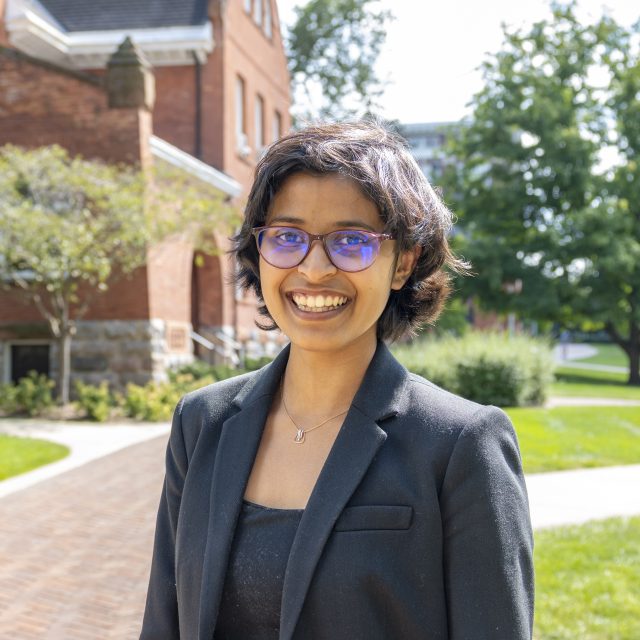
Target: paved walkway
point(566, 354)
point(75, 553)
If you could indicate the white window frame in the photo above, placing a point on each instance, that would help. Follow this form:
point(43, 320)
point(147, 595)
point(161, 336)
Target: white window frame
point(247, 6)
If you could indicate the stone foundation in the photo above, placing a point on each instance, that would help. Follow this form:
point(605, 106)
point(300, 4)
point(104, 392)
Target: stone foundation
point(123, 352)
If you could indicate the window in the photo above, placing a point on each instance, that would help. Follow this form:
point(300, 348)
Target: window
point(268, 26)
point(257, 12)
point(241, 135)
point(259, 123)
point(276, 125)
point(28, 357)
point(247, 6)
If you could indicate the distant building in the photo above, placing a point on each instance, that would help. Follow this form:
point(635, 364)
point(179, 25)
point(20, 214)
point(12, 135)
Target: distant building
point(207, 90)
point(427, 141)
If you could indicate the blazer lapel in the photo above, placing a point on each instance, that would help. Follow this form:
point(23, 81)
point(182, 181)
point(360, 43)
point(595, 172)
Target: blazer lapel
point(237, 448)
point(351, 454)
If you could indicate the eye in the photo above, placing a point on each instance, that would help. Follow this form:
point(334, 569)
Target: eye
point(289, 236)
point(352, 238)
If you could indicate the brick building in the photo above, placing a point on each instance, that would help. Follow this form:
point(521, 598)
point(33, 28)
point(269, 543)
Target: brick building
point(210, 90)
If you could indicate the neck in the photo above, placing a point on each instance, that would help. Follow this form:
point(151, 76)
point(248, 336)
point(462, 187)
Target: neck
point(318, 384)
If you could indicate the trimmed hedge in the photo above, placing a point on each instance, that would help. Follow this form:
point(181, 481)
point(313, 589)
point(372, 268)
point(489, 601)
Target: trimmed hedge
point(488, 368)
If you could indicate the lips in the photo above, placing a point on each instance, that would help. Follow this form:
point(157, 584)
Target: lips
point(318, 303)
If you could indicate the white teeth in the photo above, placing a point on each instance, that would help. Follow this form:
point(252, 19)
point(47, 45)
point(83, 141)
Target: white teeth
point(318, 303)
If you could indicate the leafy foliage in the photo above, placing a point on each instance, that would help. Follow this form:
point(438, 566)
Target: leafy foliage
point(32, 395)
point(333, 47)
point(549, 190)
point(486, 368)
point(71, 227)
point(96, 401)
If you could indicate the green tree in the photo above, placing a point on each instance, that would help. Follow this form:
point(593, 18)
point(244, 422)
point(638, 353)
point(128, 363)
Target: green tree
point(333, 46)
point(547, 188)
point(70, 227)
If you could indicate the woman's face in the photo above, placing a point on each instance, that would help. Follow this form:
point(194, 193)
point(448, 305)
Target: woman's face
point(320, 204)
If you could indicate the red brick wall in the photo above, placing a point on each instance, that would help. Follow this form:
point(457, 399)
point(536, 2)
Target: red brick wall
point(126, 299)
point(241, 48)
point(41, 104)
point(169, 274)
point(174, 114)
point(207, 289)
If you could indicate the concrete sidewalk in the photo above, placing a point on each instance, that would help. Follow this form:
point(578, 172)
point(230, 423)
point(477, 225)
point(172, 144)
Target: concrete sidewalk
point(577, 496)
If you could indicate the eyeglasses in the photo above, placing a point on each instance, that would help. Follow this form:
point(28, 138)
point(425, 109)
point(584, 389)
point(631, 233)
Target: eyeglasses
point(348, 249)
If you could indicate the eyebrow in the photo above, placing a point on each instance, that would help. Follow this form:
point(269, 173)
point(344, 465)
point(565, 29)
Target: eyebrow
point(348, 224)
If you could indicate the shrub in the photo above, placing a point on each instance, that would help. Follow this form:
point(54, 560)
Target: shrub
point(488, 368)
point(32, 394)
point(156, 401)
point(8, 402)
point(198, 370)
point(97, 402)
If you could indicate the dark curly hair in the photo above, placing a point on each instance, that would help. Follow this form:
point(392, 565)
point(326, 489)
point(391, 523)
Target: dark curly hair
point(379, 162)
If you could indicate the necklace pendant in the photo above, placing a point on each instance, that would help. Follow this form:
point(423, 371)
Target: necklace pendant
point(299, 439)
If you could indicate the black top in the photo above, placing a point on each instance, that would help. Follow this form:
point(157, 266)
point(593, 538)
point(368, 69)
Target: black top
point(252, 595)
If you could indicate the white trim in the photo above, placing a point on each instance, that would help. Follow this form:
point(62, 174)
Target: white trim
point(178, 158)
point(32, 30)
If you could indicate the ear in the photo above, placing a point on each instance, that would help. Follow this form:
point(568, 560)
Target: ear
point(405, 264)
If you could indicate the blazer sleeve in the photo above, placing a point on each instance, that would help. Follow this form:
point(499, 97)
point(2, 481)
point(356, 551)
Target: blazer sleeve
point(487, 536)
point(161, 611)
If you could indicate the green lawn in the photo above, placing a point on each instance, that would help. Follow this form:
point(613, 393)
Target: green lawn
point(18, 455)
point(609, 354)
point(575, 437)
point(588, 581)
point(592, 384)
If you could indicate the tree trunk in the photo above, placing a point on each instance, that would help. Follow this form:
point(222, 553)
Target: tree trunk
point(64, 366)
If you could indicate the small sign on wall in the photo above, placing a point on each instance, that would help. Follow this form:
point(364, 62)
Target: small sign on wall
point(177, 337)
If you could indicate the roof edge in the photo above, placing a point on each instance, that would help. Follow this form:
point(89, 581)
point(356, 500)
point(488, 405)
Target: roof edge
point(163, 150)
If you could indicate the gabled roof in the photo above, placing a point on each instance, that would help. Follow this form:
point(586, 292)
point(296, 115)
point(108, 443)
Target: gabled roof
point(105, 15)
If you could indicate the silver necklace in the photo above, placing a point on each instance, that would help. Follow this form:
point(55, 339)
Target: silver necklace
point(300, 432)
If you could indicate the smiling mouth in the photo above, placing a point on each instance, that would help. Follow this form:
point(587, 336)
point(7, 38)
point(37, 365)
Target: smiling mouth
point(318, 304)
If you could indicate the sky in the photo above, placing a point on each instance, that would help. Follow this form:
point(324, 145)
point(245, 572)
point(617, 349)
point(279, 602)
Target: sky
point(433, 49)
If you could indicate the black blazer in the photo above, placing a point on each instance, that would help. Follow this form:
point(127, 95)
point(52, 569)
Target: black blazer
point(417, 529)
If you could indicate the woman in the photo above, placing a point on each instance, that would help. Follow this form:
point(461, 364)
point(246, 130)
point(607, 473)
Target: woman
point(332, 494)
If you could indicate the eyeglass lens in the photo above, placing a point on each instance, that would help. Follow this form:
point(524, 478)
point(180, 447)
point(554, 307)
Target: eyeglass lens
point(348, 249)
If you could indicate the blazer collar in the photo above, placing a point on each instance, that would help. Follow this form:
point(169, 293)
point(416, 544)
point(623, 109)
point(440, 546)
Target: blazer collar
point(379, 396)
point(358, 440)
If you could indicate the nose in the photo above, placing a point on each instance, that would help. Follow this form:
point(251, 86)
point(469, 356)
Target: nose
point(316, 264)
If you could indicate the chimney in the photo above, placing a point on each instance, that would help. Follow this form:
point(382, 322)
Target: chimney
point(130, 79)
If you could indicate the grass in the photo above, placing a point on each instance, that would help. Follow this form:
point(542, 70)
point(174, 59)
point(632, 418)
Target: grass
point(18, 455)
point(577, 437)
point(592, 384)
point(609, 354)
point(588, 581)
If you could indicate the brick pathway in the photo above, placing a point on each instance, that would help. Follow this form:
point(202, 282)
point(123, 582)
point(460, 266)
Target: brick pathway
point(75, 550)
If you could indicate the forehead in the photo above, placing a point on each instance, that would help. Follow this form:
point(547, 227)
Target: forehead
point(326, 201)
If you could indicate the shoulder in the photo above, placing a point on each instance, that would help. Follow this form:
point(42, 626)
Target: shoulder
point(451, 415)
point(210, 405)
